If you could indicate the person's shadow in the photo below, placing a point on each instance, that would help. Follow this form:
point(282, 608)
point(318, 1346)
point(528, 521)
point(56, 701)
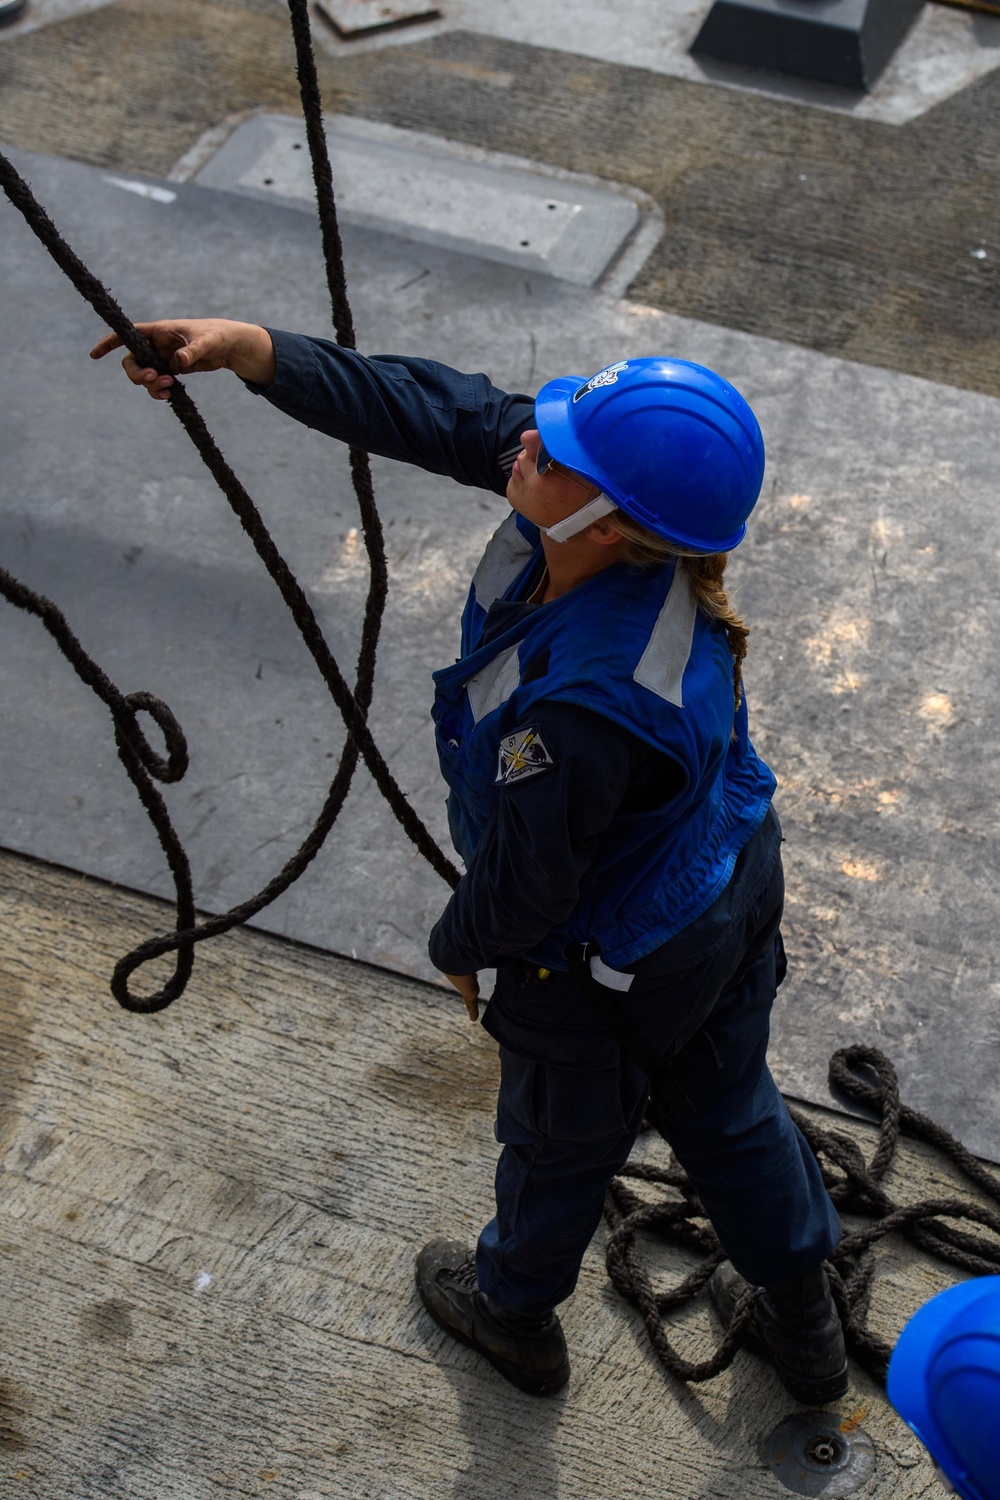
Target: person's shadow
point(508, 1434)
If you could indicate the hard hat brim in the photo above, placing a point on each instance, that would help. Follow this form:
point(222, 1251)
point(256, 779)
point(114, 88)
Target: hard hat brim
point(552, 418)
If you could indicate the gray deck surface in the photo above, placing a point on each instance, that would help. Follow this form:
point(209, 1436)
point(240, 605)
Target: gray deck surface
point(868, 679)
point(786, 218)
point(421, 188)
point(209, 1225)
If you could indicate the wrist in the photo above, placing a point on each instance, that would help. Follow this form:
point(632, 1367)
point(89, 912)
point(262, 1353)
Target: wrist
point(253, 356)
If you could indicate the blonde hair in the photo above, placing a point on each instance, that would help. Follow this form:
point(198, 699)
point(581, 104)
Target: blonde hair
point(644, 549)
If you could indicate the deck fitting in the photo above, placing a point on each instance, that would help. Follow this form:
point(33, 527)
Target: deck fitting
point(819, 1453)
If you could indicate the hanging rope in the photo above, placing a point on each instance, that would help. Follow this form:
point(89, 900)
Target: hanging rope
point(856, 1187)
point(141, 763)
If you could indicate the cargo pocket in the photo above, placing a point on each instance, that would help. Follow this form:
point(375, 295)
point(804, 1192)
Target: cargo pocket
point(541, 1100)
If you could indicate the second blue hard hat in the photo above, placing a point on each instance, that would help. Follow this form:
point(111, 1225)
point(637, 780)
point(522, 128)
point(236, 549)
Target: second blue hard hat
point(674, 445)
point(944, 1380)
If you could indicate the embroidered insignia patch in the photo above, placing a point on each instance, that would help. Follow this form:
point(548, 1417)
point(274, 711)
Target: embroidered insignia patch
point(603, 377)
point(523, 753)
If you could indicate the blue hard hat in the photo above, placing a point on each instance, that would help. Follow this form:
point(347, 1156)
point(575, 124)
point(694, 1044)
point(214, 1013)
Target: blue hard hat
point(944, 1380)
point(674, 445)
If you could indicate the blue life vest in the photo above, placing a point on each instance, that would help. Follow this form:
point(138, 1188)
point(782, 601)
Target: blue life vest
point(632, 645)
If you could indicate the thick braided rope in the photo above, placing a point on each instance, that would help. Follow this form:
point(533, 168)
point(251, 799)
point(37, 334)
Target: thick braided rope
point(141, 764)
point(343, 323)
point(855, 1187)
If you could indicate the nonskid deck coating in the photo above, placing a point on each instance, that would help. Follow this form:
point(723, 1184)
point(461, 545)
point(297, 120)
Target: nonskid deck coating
point(210, 1224)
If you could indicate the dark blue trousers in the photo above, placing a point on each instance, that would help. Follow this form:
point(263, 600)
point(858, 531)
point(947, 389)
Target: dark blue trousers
point(572, 1101)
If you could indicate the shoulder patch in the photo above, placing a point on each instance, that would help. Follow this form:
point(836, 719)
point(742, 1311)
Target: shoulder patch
point(523, 753)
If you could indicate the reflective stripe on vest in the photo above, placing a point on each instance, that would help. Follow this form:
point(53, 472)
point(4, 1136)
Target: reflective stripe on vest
point(494, 683)
point(662, 664)
point(506, 554)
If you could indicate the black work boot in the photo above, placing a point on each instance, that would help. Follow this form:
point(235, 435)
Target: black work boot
point(797, 1326)
point(530, 1352)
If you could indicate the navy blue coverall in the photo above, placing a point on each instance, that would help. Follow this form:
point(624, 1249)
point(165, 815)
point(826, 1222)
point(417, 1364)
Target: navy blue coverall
point(572, 1096)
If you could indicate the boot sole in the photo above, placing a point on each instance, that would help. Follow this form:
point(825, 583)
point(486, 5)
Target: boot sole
point(532, 1385)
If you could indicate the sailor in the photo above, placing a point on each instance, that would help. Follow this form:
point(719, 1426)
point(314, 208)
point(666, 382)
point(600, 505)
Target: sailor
point(623, 870)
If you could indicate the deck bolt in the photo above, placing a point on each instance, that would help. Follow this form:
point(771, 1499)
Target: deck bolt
point(823, 1449)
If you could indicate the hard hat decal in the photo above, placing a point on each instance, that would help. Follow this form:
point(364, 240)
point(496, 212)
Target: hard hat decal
point(603, 377)
point(522, 754)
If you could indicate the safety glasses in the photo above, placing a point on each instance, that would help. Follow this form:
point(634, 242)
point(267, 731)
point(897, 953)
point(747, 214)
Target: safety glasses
point(543, 459)
point(544, 462)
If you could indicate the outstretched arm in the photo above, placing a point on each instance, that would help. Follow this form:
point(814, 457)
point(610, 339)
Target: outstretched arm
point(418, 411)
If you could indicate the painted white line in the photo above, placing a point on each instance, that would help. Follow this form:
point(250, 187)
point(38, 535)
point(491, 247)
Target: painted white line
point(143, 189)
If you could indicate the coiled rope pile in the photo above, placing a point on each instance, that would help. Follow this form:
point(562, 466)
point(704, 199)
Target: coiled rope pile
point(866, 1076)
point(856, 1186)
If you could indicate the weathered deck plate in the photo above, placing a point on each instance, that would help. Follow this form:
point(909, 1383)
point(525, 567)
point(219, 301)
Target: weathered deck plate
point(419, 188)
point(210, 1223)
point(357, 18)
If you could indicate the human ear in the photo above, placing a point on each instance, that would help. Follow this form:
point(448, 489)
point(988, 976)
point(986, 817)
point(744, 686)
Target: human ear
point(604, 533)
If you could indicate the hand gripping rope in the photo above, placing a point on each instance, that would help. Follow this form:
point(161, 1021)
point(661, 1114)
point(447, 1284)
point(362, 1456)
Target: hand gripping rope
point(855, 1186)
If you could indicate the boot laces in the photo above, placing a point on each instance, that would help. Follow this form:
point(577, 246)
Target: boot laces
point(463, 1276)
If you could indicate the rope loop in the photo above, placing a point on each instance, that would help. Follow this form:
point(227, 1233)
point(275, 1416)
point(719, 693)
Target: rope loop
point(174, 767)
point(183, 944)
